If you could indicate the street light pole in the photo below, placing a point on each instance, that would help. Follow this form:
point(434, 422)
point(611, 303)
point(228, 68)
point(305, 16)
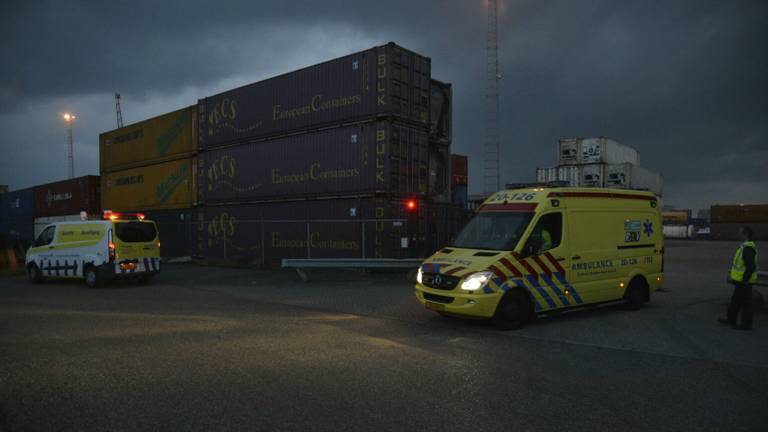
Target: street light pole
point(69, 119)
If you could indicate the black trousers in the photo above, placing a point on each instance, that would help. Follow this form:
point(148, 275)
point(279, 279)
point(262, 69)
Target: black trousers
point(741, 301)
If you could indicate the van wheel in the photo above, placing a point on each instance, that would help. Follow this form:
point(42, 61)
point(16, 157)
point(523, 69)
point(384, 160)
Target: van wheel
point(92, 278)
point(34, 274)
point(636, 293)
point(513, 311)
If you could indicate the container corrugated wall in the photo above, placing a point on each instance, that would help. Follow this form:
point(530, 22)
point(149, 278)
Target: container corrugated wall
point(628, 176)
point(68, 197)
point(675, 217)
point(459, 170)
point(166, 185)
point(166, 137)
point(263, 234)
point(441, 111)
point(386, 80)
point(754, 213)
point(176, 230)
point(731, 231)
point(17, 216)
point(367, 158)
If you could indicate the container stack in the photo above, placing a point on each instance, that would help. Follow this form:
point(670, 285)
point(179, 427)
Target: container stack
point(600, 162)
point(343, 159)
point(677, 223)
point(459, 180)
point(66, 200)
point(726, 221)
point(150, 167)
point(17, 219)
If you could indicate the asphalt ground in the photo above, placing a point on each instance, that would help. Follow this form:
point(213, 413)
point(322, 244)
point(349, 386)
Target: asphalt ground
point(205, 348)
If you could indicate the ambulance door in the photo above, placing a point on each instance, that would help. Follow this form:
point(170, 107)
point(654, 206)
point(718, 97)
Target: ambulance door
point(593, 263)
point(545, 258)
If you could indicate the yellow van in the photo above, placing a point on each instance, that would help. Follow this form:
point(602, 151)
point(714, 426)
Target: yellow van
point(535, 250)
point(121, 246)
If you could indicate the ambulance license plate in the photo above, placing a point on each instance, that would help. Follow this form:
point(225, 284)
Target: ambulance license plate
point(434, 306)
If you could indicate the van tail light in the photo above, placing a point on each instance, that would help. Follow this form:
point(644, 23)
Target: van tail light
point(111, 252)
point(158, 244)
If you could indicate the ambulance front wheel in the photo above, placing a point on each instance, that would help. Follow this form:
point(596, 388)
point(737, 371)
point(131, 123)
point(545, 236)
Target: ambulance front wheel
point(92, 277)
point(513, 311)
point(34, 274)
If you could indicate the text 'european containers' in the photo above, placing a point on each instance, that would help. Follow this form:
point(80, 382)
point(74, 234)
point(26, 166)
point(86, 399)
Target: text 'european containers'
point(263, 234)
point(386, 80)
point(365, 158)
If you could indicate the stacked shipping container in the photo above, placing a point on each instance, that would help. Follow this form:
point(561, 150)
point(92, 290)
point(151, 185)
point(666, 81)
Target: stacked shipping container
point(726, 220)
point(320, 162)
point(65, 201)
point(150, 167)
point(600, 162)
point(331, 152)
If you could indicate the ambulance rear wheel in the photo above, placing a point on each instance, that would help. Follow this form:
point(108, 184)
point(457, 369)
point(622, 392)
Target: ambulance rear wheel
point(34, 274)
point(92, 278)
point(513, 311)
point(636, 293)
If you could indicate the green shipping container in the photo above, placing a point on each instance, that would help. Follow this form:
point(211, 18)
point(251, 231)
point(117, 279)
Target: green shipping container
point(167, 137)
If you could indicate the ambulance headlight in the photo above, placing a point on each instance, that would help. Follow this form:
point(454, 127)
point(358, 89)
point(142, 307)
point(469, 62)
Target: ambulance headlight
point(476, 281)
point(420, 276)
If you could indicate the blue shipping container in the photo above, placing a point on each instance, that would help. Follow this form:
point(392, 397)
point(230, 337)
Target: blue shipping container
point(460, 195)
point(17, 216)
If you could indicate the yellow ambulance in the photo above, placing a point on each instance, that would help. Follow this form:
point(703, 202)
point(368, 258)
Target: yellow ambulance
point(120, 246)
point(536, 250)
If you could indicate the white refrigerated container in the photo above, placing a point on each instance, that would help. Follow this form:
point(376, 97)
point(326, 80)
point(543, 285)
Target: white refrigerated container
point(546, 174)
point(606, 150)
point(628, 176)
point(568, 151)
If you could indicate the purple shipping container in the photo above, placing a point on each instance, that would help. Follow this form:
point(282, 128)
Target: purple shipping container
point(176, 230)
point(367, 158)
point(263, 234)
point(383, 81)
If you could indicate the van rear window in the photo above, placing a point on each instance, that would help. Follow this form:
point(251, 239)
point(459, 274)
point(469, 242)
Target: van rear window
point(135, 232)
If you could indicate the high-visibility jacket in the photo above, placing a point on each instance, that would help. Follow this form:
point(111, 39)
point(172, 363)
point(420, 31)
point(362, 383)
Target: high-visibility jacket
point(739, 267)
point(546, 240)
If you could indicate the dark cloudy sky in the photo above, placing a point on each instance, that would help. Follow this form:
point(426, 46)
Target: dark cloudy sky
point(684, 82)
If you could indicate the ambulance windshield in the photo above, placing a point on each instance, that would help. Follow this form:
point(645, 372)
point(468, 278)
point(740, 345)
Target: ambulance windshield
point(495, 230)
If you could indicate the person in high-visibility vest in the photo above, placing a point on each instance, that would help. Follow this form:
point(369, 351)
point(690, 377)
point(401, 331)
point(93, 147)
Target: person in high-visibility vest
point(546, 240)
point(743, 275)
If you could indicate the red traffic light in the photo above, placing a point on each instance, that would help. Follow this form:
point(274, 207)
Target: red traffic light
point(410, 205)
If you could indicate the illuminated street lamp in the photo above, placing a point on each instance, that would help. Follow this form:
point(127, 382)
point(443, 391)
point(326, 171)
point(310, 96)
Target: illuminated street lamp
point(69, 119)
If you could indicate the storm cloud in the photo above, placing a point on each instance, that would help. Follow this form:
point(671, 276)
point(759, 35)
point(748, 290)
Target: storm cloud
point(684, 82)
